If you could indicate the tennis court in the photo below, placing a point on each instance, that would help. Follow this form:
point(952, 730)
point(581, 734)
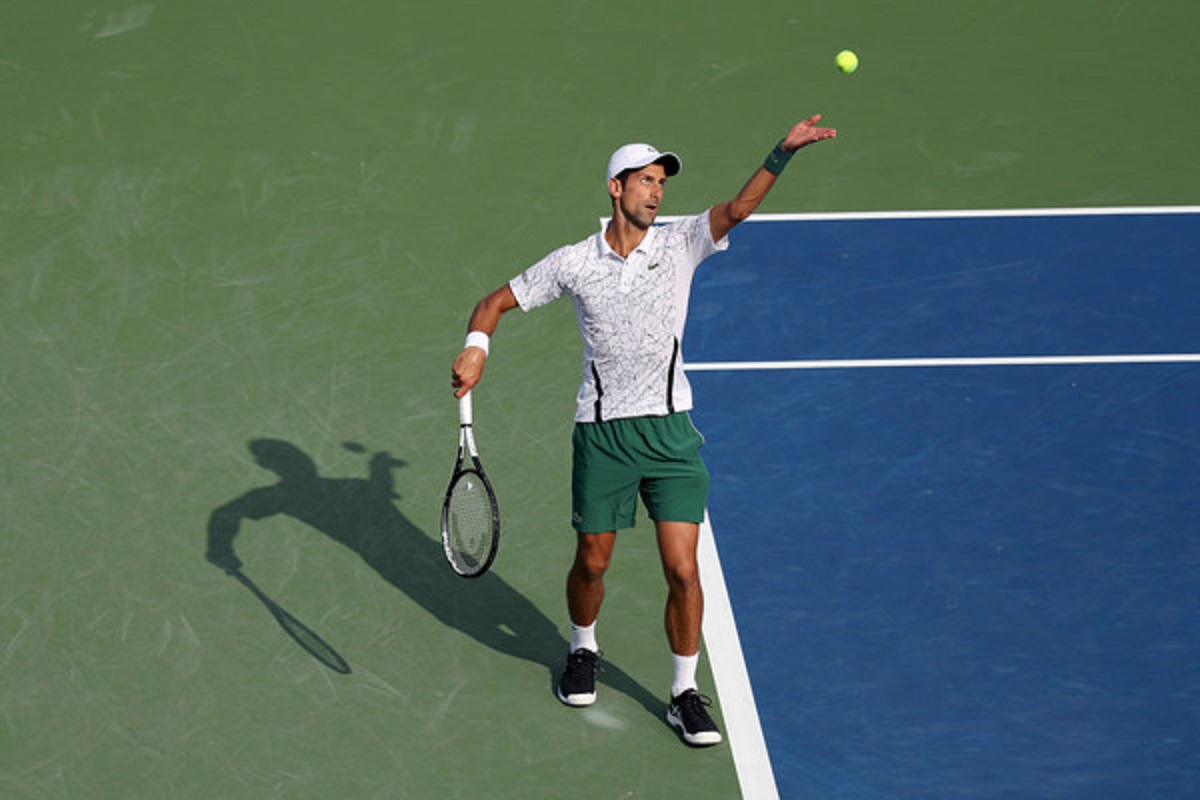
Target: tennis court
point(239, 246)
point(956, 522)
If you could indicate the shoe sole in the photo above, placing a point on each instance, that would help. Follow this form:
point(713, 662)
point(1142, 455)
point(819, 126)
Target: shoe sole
point(701, 739)
point(575, 700)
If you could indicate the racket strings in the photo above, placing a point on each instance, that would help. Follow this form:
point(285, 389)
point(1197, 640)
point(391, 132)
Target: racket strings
point(470, 522)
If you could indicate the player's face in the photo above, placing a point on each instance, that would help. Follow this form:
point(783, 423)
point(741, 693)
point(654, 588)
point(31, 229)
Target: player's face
point(640, 196)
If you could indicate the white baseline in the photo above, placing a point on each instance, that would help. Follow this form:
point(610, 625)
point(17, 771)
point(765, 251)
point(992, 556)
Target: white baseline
point(984, 361)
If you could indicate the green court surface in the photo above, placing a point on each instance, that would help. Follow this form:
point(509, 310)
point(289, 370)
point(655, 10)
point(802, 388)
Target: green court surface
point(227, 226)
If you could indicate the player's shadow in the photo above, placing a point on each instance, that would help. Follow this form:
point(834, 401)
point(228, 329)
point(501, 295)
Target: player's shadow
point(362, 515)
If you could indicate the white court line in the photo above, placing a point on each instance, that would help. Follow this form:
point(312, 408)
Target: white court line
point(987, 361)
point(742, 727)
point(819, 216)
point(981, 213)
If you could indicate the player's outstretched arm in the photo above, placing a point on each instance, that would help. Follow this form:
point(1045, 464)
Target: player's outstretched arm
point(722, 217)
point(468, 366)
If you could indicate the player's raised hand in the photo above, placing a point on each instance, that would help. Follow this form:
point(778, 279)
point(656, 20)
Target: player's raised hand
point(805, 133)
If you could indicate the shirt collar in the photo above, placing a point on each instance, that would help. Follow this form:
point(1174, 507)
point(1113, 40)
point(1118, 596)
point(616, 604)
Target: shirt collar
point(604, 250)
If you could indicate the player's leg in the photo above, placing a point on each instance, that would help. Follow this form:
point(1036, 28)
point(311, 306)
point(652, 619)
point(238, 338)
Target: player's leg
point(676, 495)
point(685, 600)
point(585, 580)
point(603, 500)
point(675, 491)
point(585, 593)
point(687, 711)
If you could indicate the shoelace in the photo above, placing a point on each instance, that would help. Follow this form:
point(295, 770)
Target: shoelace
point(692, 706)
point(583, 661)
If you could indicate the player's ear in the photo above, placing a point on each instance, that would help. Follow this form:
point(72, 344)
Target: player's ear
point(615, 187)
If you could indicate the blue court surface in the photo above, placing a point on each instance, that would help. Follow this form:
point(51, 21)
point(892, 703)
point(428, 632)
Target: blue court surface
point(955, 498)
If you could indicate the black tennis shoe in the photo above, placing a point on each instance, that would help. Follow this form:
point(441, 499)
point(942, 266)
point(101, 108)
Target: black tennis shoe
point(577, 687)
point(688, 713)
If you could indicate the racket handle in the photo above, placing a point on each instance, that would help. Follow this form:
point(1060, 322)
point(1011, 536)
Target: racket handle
point(464, 409)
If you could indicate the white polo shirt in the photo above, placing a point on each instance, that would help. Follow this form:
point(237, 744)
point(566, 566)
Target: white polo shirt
point(631, 314)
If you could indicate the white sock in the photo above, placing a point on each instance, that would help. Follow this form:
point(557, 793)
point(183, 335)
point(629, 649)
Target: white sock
point(584, 637)
point(685, 673)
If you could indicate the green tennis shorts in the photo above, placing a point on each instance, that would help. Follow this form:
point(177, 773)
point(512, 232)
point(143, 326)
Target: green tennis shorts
point(617, 460)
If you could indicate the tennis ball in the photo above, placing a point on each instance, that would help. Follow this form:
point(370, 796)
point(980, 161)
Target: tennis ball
point(847, 61)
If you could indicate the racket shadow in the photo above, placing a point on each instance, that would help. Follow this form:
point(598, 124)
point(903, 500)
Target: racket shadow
point(361, 514)
point(303, 635)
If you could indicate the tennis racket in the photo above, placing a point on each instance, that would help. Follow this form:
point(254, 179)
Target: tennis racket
point(470, 515)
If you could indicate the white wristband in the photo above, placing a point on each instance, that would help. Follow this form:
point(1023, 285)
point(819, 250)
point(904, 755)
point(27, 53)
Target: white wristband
point(478, 339)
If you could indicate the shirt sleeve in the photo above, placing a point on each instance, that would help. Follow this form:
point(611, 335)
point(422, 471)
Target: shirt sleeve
point(540, 284)
point(704, 235)
point(693, 235)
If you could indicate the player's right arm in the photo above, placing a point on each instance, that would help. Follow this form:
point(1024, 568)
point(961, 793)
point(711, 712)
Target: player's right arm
point(468, 366)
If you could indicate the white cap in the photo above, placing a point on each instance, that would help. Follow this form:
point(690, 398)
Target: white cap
point(636, 156)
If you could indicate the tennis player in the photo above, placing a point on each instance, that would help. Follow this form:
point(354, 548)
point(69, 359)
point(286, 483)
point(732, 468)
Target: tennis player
point(630, 284)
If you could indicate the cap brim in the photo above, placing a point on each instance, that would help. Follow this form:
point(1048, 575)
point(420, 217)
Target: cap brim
point(670, 162)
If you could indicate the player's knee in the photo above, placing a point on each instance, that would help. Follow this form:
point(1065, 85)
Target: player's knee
point(592, 563)
point(683, 575)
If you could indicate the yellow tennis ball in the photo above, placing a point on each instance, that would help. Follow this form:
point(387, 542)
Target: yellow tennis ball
point(847, 61)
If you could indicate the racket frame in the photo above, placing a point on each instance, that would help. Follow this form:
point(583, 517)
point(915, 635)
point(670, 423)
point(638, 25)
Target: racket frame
point(467, 450)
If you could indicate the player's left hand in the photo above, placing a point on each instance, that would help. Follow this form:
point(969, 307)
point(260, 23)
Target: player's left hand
point(805, 133)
